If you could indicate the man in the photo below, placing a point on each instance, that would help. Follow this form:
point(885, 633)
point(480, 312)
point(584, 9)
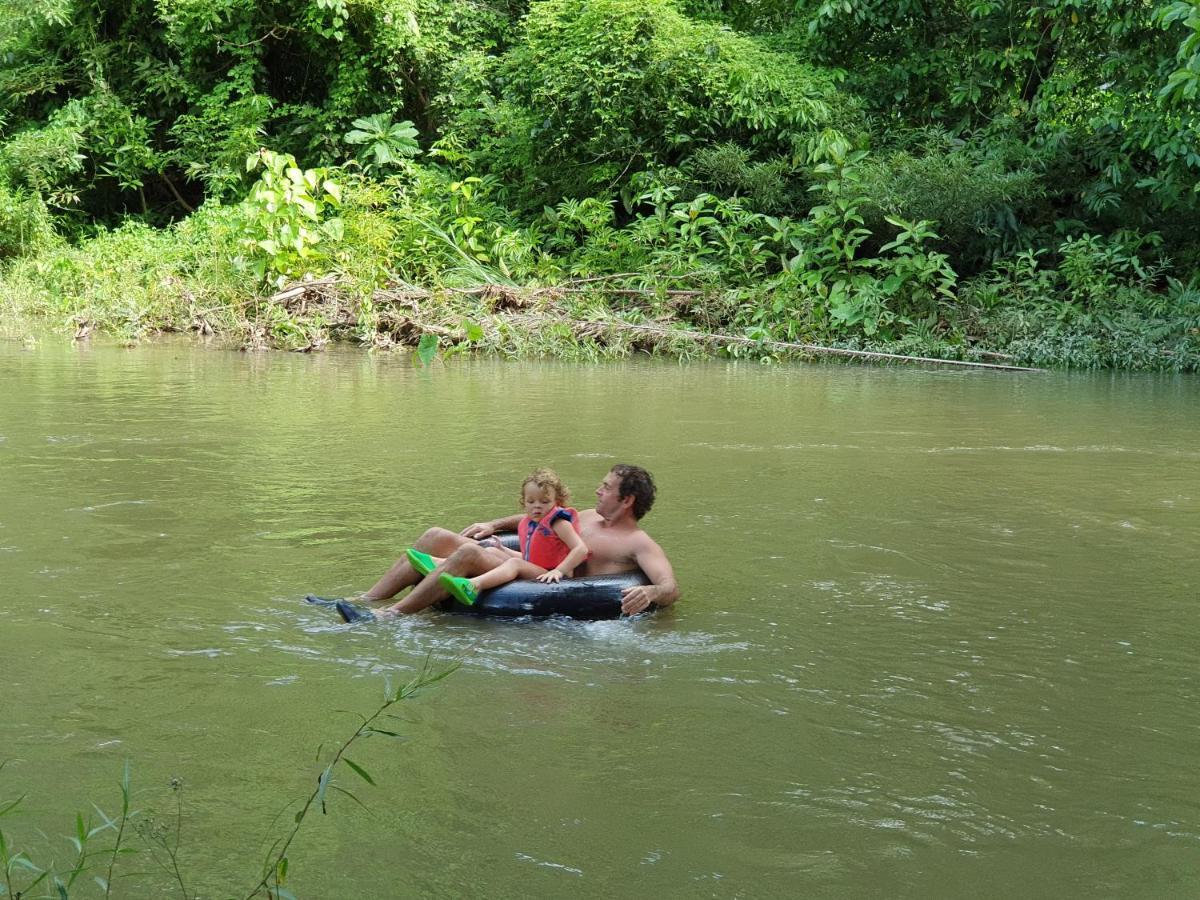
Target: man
point(615, 541)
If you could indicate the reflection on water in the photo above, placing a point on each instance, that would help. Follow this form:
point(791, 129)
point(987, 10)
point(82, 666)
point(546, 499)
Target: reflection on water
point(937, 631)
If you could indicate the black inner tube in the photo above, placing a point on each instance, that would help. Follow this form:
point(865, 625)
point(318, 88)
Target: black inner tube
point(591, 597)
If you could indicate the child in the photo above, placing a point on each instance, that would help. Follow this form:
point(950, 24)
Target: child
point(551, 547)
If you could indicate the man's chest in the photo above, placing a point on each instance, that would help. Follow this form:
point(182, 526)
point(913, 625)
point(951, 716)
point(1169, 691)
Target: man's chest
point(605, 547)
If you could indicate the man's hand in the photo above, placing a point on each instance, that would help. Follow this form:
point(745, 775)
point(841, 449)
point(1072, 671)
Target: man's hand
point(637, 599)
point(478, 530)
point(552, 577)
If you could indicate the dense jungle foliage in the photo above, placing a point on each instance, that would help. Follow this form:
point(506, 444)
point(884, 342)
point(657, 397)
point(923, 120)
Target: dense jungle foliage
point(957, 178)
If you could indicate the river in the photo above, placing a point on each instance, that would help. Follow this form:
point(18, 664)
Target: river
point(938, 633)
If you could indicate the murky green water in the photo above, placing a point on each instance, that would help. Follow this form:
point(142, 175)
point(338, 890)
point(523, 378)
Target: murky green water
point(938, 638)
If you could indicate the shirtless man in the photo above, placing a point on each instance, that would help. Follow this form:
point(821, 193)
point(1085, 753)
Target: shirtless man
point(616, 543)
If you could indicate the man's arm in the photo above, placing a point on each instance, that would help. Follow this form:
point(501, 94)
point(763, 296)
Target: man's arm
point(487, 529)
point(663, 589)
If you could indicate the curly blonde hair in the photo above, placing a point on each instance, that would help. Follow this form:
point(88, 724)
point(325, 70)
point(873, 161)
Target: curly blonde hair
point(547, 480)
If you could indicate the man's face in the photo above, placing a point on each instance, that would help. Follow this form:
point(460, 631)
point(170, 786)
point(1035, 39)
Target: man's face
point(608, 495)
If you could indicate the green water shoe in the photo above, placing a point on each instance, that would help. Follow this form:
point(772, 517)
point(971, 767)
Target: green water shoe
point(422, 562)
point(460, 588)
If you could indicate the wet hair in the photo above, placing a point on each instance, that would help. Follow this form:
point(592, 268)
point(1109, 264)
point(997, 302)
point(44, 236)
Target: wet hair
point(547, 480)
point(635, 482)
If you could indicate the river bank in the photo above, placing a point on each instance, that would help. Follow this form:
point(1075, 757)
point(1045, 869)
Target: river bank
point(381, 268)
point(587, 320)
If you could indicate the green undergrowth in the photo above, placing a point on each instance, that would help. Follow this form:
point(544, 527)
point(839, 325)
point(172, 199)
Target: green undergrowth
point(424, 260)
point(126, 851)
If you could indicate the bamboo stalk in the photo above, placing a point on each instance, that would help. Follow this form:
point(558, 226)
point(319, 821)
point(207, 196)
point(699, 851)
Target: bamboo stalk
point(706, 337)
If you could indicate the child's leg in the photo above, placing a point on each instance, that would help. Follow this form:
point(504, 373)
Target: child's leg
point(510, 570)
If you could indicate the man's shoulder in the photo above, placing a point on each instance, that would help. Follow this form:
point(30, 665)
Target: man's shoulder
point(642, 539)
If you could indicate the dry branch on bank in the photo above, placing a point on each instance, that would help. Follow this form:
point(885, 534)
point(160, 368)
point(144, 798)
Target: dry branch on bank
point(664, 333)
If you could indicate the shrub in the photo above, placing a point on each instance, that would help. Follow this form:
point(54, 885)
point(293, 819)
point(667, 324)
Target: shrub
point(600, 90)
point(978, 205)
point(25, 223)
point(286, 221)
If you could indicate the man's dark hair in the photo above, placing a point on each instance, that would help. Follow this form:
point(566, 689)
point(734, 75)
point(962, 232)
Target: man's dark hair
point(637, 483)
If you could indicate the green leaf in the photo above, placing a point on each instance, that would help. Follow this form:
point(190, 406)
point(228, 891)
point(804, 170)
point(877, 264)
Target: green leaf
point(99, 828)
point(384, 731)
point(342, 790)
point(383, 154)
point(473, 329)
point(11, 805)
point(427, 348)
point(362, 773)
point(281, 870)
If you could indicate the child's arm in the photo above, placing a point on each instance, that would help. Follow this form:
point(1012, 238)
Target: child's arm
point(579, 551)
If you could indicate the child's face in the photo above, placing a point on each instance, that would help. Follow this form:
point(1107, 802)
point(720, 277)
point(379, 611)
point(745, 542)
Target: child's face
point(538, 501)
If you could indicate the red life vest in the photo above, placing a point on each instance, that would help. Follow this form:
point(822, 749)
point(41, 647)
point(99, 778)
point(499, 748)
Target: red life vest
point(539, 544)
